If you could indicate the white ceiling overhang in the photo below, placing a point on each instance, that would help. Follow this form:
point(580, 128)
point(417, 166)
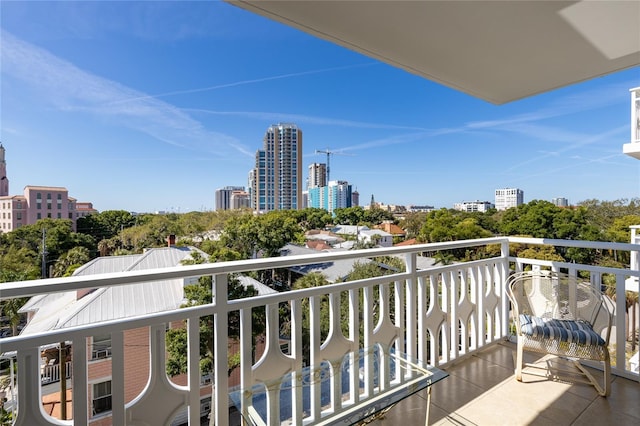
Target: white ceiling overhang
point(498, 51)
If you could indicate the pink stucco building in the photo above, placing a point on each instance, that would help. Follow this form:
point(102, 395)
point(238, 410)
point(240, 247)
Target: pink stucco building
point(37, 202)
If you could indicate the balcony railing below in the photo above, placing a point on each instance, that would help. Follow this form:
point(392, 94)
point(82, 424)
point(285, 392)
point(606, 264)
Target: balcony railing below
point(437, 315)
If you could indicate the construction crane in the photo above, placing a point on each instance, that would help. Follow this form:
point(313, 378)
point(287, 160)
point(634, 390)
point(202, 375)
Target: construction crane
point(329, 153)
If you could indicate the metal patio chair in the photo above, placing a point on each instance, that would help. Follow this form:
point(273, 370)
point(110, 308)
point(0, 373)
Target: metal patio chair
point(558, 314)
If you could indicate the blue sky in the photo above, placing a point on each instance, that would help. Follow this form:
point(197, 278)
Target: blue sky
point(147, 106)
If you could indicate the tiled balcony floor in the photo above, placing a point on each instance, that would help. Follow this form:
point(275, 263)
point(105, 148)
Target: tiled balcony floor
point(482, 390)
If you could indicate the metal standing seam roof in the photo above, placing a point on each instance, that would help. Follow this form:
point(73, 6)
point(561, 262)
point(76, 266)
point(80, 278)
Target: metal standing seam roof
point(61, 310)
point(349, 229)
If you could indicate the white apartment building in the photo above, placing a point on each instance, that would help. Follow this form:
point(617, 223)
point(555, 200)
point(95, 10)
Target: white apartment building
point(560, 202)
point(473, 206)
point(509, 197)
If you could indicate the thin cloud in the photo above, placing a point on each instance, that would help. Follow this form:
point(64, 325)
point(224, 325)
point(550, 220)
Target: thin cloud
point(580, 144)
point(307, 119)
point(597, 98)
point(69, 88)
point(245, 82)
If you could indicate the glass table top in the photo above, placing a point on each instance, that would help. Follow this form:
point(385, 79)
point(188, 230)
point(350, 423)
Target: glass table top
point(340, 393)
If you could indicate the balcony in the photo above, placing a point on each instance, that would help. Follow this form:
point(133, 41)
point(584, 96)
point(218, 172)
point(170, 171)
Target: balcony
point(633, 148)
point(455, 317)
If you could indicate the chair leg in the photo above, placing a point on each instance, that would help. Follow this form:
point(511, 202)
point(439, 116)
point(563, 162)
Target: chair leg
point(519, 356)
point(605, 388)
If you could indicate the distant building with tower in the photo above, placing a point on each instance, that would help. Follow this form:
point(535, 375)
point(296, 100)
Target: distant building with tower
point(276, 180)
point(4, 180)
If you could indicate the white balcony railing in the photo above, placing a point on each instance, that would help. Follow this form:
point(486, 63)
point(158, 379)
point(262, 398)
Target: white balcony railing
point(437, 315)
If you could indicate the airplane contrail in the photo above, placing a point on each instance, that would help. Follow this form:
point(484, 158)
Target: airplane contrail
point(243, 82)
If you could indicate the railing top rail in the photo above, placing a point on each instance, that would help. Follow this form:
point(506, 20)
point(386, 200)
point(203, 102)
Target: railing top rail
point(52, 285)
point(582, 267)
point(10, 344)
point(576, 243)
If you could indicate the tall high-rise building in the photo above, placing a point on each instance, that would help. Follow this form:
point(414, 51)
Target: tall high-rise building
point(317, 175)
point(277, 177)
point(223, 197)
point(509, 197)
point(337, 195)
point(4, 180)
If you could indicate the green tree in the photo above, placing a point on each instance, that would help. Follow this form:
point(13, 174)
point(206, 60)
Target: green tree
point(375, 216)
point(449, 225)
point(349, 216)
point(59, 238)
point(274, 230)
point(312, 218)
point(106, 224)
point(535, 218)
point(18, 262)
point(70, 261)
point(11, 307)
point(412, 223)
point(241, 235)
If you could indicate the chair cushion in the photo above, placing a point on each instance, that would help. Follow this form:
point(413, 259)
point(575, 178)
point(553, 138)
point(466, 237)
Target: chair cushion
point(571, 331)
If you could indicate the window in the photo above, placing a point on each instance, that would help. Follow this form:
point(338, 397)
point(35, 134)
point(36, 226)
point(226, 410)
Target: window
point(101, 397)
point(101, 346)
point(39, 215)
point(39, 206)
point(19, 215)
point(59, 215)
point(19, 205)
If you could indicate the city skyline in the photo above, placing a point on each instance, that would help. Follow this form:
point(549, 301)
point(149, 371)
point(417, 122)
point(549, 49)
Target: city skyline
point(152, 106)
